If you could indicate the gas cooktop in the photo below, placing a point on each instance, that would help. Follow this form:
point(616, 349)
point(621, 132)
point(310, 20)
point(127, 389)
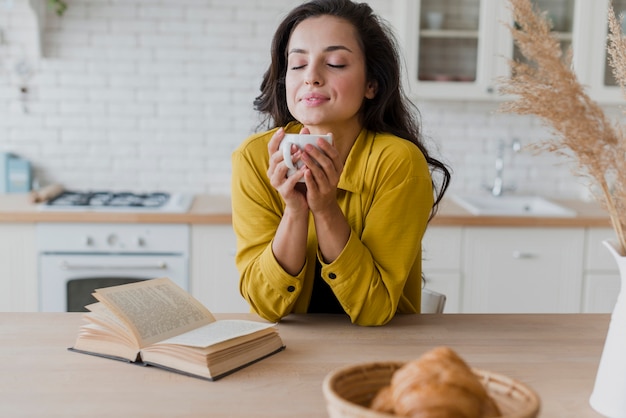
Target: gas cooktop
point(107, 201)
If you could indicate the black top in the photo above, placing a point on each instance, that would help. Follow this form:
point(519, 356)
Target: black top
point(323, 300)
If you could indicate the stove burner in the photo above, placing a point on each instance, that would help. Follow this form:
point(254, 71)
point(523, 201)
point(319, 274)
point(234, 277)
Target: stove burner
point(110, 199)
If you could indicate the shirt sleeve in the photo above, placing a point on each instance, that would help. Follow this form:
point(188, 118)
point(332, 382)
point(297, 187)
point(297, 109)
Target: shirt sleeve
point(257, 209)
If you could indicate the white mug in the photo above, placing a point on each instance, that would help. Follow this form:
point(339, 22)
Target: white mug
point(299, 140)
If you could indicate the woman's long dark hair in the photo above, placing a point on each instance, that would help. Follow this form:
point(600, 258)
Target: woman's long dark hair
point(389, 111)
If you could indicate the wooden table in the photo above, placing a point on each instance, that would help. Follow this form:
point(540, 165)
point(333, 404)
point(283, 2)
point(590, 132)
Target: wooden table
point(557, 355)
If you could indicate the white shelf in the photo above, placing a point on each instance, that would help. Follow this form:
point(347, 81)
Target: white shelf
point(564, 36)
point(449, 34)
point(38, 8)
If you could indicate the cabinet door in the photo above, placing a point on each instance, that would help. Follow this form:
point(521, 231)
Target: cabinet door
point(450, 46)
point(18, 268)
point(597, 256)
point(459, 48)
point(441, 264)
point(602, 278)
point(448, 283)
point(598, 74)
point(214, 276)
point(523, 270)
point(601, 292)
point(570, 21)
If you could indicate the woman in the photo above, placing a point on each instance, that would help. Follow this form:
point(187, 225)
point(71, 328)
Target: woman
point(348, 239)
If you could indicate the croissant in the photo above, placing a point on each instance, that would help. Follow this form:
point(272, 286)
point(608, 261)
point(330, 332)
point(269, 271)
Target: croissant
point(437, 385)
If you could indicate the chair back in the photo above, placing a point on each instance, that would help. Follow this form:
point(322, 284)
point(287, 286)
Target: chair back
point(432, 302)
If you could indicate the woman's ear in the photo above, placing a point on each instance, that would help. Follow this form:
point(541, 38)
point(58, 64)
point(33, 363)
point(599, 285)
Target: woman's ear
point(371, 90)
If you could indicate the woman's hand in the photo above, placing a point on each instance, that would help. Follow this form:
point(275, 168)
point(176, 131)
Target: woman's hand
point(293, 195)
point(323, 169)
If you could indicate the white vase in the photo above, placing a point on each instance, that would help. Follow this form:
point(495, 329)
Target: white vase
point(609, 392)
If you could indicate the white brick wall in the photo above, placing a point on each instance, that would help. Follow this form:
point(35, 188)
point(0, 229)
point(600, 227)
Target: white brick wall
point(156, 94)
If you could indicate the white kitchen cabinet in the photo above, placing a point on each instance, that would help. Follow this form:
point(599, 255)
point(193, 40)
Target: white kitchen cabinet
point(456, 60)
point(479, 269)
point(214, 276)
point(598, 73)
point(601, 278)
point(522, 270)
point(18, 268)
point(463, 59)
point(441, 263)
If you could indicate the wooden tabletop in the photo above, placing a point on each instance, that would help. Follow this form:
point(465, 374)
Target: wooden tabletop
point(556, 355)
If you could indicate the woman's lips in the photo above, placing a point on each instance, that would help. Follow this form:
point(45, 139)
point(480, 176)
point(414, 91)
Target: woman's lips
point(314, 99)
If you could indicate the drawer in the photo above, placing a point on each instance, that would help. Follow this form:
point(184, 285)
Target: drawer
point(441, 248)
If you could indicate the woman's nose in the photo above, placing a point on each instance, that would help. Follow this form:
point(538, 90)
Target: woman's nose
point(313, 76)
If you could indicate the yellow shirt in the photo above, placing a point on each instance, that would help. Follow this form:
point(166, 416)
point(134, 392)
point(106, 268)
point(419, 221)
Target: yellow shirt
point(385, 193)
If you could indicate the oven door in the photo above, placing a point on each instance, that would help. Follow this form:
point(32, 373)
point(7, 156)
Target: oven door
point(67, 280)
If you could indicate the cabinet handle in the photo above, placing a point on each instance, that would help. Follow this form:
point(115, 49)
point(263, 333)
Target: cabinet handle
point(161, 265)
point(522, 255)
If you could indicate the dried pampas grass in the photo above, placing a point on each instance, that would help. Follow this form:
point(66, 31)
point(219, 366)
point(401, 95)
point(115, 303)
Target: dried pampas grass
point(547, 87)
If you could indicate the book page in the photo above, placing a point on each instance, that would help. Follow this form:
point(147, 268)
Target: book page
point(217, 332)
point(100, 314)
point(155, 309)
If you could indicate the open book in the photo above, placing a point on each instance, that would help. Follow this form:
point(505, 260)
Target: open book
point(155, 322)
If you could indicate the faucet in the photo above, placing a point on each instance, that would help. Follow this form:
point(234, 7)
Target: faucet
point(498, 188)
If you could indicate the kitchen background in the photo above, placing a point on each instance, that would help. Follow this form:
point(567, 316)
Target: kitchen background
point(149, 95)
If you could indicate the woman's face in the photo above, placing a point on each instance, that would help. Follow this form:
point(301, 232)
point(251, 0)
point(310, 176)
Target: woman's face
point(325, 81)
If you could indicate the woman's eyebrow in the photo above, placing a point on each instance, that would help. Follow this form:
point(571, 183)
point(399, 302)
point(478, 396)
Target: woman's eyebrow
point(330, 48)
point(337, 48)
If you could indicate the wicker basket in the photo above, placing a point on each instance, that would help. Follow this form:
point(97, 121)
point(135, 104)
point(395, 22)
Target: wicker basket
point(349, 390)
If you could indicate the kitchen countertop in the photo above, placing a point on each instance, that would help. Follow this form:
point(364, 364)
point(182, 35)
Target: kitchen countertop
point(204, 210)
point(588, 214)
point(217, 210)
point(556, 355)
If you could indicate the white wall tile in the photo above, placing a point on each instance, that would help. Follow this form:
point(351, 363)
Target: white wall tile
point(156, 94)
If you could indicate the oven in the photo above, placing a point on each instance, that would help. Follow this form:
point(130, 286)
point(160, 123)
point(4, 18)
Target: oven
point(76, 259)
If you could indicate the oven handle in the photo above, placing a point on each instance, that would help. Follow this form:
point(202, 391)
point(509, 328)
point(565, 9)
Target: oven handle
point(161, 265)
